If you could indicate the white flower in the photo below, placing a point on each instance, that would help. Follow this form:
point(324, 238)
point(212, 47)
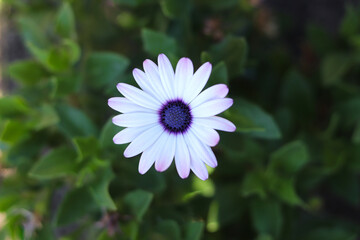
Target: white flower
point(170, 118)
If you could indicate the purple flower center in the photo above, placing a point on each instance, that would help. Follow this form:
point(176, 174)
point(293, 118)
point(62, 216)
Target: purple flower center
point(175, 116)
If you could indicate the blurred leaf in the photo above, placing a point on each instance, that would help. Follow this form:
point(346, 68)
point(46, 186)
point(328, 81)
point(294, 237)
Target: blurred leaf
point(266, 217)
point(65, 84)
point(14, 131)
point(194, 230)
point(175, 8)
point(219, 75)
point(58, 163)
point(253, 183)
point(205, 188)
point(331, 234)
point(7, 200)
point(133, 3)
point(351, 23)
point(320, 39)
point(104, 69)
point(13, 105)
point(77, 203)
point(85, 147)
point(60, 58)
point(264, 237)
point(233, 51)
point(45, 117)
point(290, 158)
point(169, 229)
point(27, 72)
point(100, 189)
point(213, 216)
point(107, 133)
point(158, 42)
point(65, 21)
point(251, 119)
point(349, 112)
point(334, 67)
point(31, 31)
point(285, 189)
point(138, 201)
point(75, 123)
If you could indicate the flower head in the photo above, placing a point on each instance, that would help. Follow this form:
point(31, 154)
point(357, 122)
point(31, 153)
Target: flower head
point(171, 118)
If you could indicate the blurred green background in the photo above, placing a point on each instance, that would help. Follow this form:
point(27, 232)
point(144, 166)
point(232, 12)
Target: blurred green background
point(289, 172)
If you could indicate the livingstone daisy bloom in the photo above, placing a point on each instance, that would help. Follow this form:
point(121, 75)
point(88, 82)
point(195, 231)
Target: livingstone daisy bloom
point(171, 118)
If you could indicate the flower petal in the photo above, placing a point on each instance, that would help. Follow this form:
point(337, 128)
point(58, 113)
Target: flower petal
point(143, 141)
point(216, 122)
point(145, 84)
point(207, 135)
point(213, 92)
point(212, 107)
point(124, 105)
point(138, 96)
point(136, 119)
point(197, 83)
point(200, 150)
point(167, 75)
point(167, 154)
point(183, 75)
point(152, 73)
point(149, 156)
point(182, 157)
point(128, 134)
point(199, 168)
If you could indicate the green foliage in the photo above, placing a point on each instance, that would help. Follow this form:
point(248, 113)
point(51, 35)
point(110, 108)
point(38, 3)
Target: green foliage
point(290, 171)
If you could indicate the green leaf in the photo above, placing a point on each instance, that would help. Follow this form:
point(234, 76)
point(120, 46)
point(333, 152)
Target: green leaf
point(59, 162)
point(334, 67)
point(100, 189)
point(107, 133)
point(14, 131)
point(285, 189)
point(75, 123)
point(138, 201)
point(104, 69)
point(27, 72)
point(169, 229)
point(175, 8)
point(12, 106)
point(65, 21)
point(252, 120)
point(290, 158)
point(254, 184)
point(158, 42)
point(233, 51)
point(266, 217)
point(61, 57)
point(219, 75)
point(194, 230)
point(350, 25)
point(65, 84)
point(45, 117)
point(31, 31)
point(86, 147)
point(77, 203)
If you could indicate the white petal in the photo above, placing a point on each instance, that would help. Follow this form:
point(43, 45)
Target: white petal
point(128, 134)
point(152, 73)
point(214, 92)
point(167, 154)
point(145, 84)
point(198, 82)
point(166, 72)
point(199, 168)
point(143, 141)
point(200, 150)
point(207, 135)
point(216, 122)
point(183, 74)
point(149, 156)
point(212, 107)
point(124, 105)
point(139, 97)
point(182, 157)
point(135, 119)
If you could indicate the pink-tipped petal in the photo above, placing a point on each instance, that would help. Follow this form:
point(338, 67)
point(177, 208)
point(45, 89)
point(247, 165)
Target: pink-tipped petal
point(207, 135)
point(212, 107)
point(167, 75)
point(216, 122)
point(198, 82)
point(152, 73)
point(213, 92)
point(137, 119)
point(138, 96)
point(143, 141)
point(182, 157)
point(199, 168)
point(128, 134)
point(167, 154)
point(124, 105)
point(183, 75)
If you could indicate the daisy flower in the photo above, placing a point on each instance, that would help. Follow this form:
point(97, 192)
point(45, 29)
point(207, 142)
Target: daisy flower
point(171, 118)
